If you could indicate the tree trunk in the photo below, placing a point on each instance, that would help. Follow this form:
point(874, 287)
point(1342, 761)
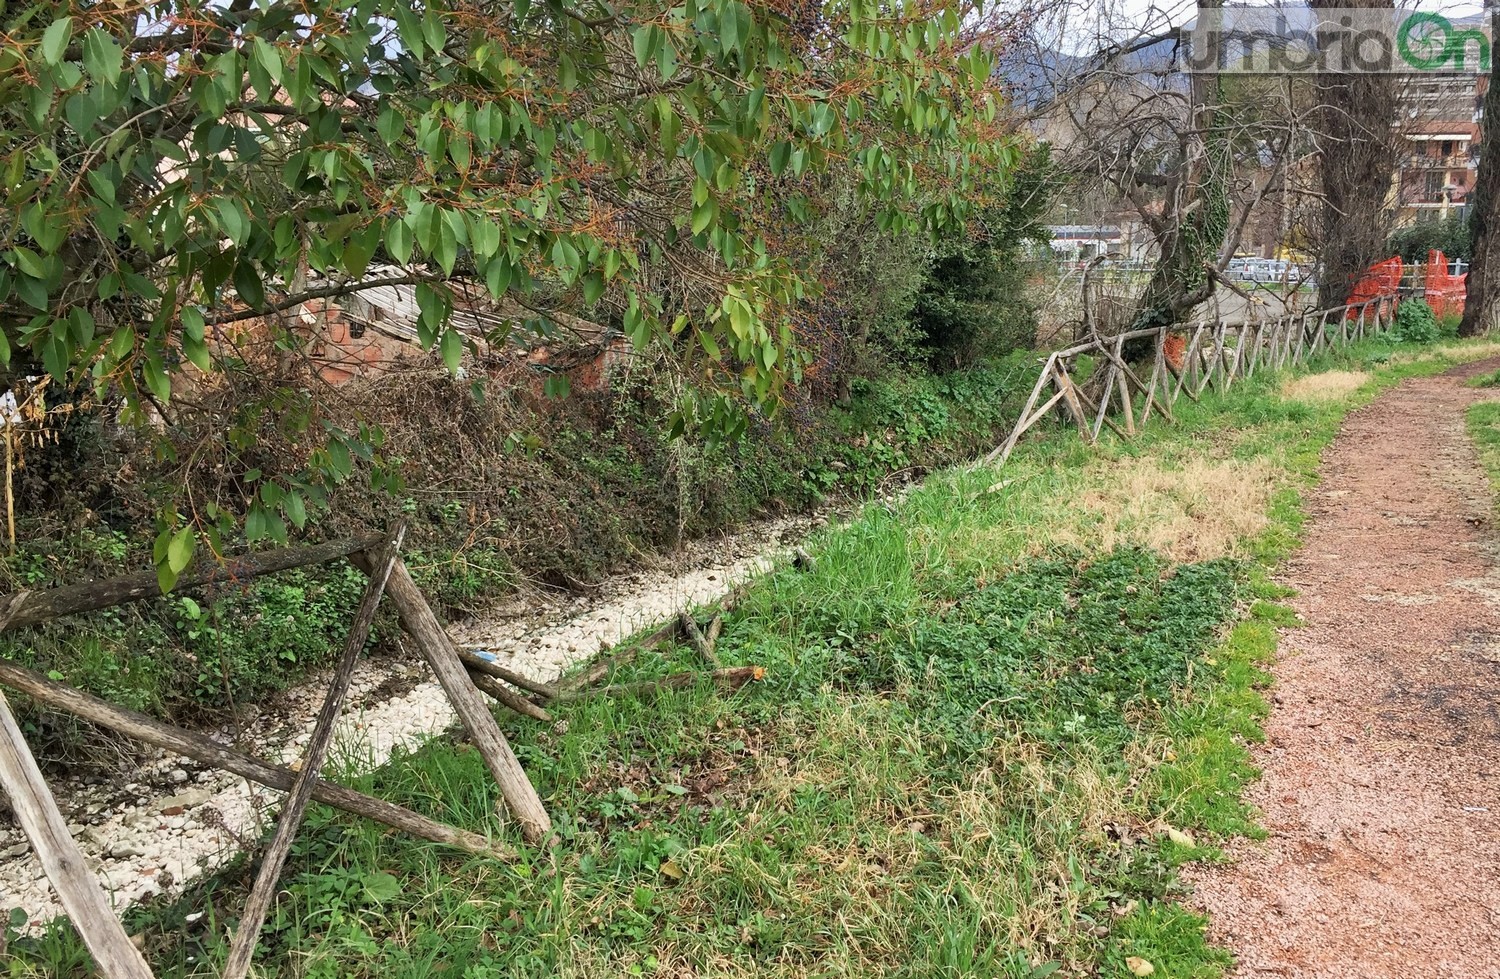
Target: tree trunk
point(1482, 288)
point(1197, 209)
point(1357, 160)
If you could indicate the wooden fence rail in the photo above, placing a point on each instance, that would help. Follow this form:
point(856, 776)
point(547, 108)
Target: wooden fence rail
point(1214, 354)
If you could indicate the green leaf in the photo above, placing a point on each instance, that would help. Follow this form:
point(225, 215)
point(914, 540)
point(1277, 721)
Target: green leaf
point(196, 352)
point(497, 276)
point(232, 220)
point(381, 887)
point(453, 350)
point(446, 251)
point(268, 58)
point(193, 324)
point(4, 350)
point(434, 313)
point(180, 550)
point(704, 215)
point(30, 262)
point(102, 57)
point(55, 40)
point(433, 31)
point(360, 248)
point(781, 153)
point(666, 60)
point(390, 125)
point(711, 346)
point(82, 111)
point(55, 355)
point(338, 454)
point(156, 379)
point(247, 283)
point(644, 40)
point(593, 288)
point(398, 240)
point(458, 152)
point(296, 509)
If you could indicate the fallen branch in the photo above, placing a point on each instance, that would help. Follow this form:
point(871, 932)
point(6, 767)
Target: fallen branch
point(697, 638)
point(24, 608)
point(731, 678)
point(606, 665)
point(138, 726)
point(478, 664)
point(669, 630)
point(508, 697)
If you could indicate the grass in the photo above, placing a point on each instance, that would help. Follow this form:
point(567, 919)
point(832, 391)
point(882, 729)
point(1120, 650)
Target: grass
point(992, 710)
point(1331, 385)
point(1484, 428)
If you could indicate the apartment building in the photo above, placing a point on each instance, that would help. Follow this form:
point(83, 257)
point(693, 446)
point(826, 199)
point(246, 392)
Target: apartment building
point(1441, 115)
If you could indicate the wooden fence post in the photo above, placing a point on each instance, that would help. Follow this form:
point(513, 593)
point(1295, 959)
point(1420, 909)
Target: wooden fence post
point(428, 633)
point(82, 898)
point(263, 891)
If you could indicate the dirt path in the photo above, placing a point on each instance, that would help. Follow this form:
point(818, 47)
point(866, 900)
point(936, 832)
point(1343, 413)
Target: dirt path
point(1381, 790)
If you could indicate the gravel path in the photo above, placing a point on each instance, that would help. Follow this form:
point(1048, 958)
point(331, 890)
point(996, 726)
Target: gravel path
point(172, 821)
point(1381, 787)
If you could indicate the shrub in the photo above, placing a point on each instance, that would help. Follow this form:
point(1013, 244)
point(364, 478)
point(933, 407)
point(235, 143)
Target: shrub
point(1450, 236)
point(1415, 322)
point(973, 303)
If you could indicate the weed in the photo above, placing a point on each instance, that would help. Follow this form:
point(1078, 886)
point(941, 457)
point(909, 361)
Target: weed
point(1415, 322)
point(1332, 385)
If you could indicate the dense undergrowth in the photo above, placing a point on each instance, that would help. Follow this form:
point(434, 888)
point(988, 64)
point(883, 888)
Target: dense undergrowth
point(497, 491)
point(997, 714)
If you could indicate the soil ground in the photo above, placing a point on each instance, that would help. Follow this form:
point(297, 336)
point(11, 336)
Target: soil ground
point(1381, 787)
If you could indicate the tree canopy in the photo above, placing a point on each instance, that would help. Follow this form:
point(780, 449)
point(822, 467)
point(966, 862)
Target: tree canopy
point(174, 168)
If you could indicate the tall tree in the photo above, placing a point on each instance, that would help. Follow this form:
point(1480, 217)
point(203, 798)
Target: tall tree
point(1482, 288)
point(175, 167)
point(1357, 150)
point(1193, 159)
point(1197, 195)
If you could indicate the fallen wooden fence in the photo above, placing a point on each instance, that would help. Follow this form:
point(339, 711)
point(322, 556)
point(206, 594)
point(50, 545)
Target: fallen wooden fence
point(1214, 354)
point(462, 675)
point(42, 822)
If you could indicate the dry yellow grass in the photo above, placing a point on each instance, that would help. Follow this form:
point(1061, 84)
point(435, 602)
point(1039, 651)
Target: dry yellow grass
point(1461, 353)
point(1327, 386)
point(1199, 510)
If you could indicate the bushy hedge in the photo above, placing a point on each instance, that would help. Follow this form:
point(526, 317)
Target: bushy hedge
point(1450, 236)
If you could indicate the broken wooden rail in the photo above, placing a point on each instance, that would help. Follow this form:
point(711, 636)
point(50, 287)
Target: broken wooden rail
point(41, 820)
point(1214, 354)
point(462, 675)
